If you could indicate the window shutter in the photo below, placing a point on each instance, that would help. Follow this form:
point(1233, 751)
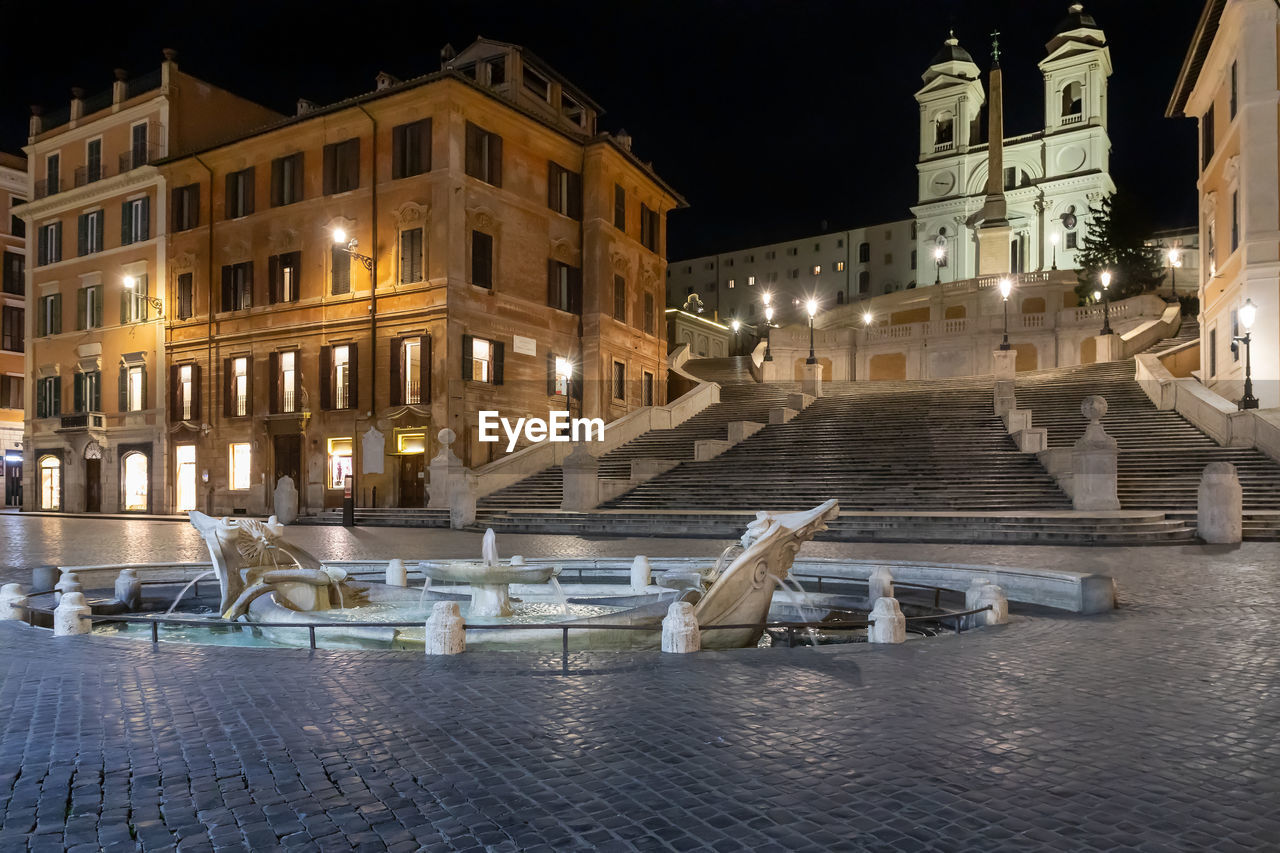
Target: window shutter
point(297, 380)
point(273, 280)
point(575, 195)
point(326, 377)
point(249, 181)
point(57, 241)
point(397, 370)
point(126, 224)
point(226, 388)
point(273, 382)
point(123, 389)
point(248, 385)
point(424, 145)
point(98, 227)
point(473, 166)
point(398, 138)
point(195, 392)
point(124, 306)
point(551, 374)
point(175, 401)
point(144, 389)
point(77, 393)
point(277, 181)
point(468, 359)
point(330, 168)
point(42, 246)
point(495, 159)
point(42, 327)
point(82, 308)
point(553, 281)
point(97, 307)
point(82, 235)
point(230, 200)
point(248, 285)
point(406, 257)
point(353, 380)
point(498, 349)
point(57, 315)
point(228, 275)
point(41, 401)
point(55, 405)
point(175, 205)
point(575, 290)
point(424, 370)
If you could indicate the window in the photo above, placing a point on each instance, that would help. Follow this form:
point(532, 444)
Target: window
point(497, 71)
point(411, 255)
point(484, 155)
point(186, 485)
point(793, 252)
point(649, 314)
point(537, 84)
point(1206, 137)
point(1072, 240)
point(573, 110)
point(186, 207)
point(481, 259)
point(133, 299)
point(50, 482)
point(338, 377)
point(286, 180)
point(285, 389)
point(710, 265)
point(137, 156)
point(134, 469)
point(564, 191)
point(1213, 353)
point(89, 307)
point(339, 462)
point(839, 265)
point(50, 315)
point(817, 269)
point(646, 389)
point(943, 130)
point(619, 299)
point(1235, 90)
point(731, 284)
point(1235, 220)
point(49, 397)
point(1235, 333)
point(486, 361)
point(619, 381)
point(619, 207)
point(342, 166)
point(411, 149)
point(92, 161)
point(89, 232)
point(282, 276)
point(564, 287)
point(864, 253)
point(751, 280)
point(561, 379)
point(186, 296)
point(340, 278)
point(133, 387)
point(52, 175)
point(239, 198)
point(239, 380)
point(49, 244)
point(1072, 105)
point(240, 459)
point(864, 282)
point(913, 259)
point(410, 366)
point(17, 225)
point(186, 379)
point(770, 255)
point(650, 227)
point(817, 247)
point(135, 221)
point(12, 334)
point(11, 392)
point(15, 273)
point(88, 392)
point(795, 273)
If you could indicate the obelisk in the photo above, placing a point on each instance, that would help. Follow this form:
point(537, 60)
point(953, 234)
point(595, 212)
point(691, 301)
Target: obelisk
point(993, 233)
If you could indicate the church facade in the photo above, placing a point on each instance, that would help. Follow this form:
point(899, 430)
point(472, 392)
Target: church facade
point(1050, 176)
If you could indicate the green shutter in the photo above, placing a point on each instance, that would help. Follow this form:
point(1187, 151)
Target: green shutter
point(97, 307)
point(467, 361)
point(82, 305)
point(126, 225)
point(57, 314)
point(123, 389)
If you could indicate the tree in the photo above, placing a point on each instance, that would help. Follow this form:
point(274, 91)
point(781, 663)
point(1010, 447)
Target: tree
point(1113, 242)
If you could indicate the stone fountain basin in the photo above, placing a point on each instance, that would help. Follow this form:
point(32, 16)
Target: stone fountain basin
point(477, 573)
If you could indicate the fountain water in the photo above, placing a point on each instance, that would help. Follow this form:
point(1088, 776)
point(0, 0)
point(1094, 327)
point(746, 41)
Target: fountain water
point(190, 584)
point(560, 596)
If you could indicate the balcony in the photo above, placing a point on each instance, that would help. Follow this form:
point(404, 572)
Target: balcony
point(80, 422)
point(86, 175)
point(1075, 118)
point(46, 187)
point(137, 157)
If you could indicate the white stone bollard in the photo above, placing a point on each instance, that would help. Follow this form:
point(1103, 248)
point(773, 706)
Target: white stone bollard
point(13, 600)
point(66, 616)
point(680, 632)
point(990, 594)
point(880, 585)
point(397, 574)
point(1004, 363)
point(888, 623)
point(641, 573)
point(445, 632)
point(974, 592)
point(811, 380)
point(516, 560)
point(129, 589)
point(69, 582)
point(1219, 505)
point(286, 500)
point(1093, 462)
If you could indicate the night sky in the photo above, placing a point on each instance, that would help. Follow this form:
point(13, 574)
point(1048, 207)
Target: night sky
point(775, 119)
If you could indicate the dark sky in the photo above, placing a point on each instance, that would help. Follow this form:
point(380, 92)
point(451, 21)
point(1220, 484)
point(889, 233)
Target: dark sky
point(770, 116)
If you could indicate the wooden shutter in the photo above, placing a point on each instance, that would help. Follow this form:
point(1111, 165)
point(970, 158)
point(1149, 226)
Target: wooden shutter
point(553, 284)
point(273, 280)
point(330, 168)
point(230, 199)
point(195, 392)
point(82, 308)
point(468, 357)
point(424, 145)
point(495, 159)
point(273, 382)
point(56, 403)
point(42, 326)
point(575, 290)
point(353, 376)
point(82, 235)
point(575, 195)
point(144, 225)
point(473, 166)
point(57, 243)
point(42, 246)
point(277, 181)
point(126, 224)
point(99, 228)
point(42, 403)
point(553, 186)
point(77, 393)
point(175, 401)
point(498, 350)
point(424, 370)
point(481, 259)
point(619, 207)
point(249, 180)
point(227, 408)
point(326, 377)
point(248, 386)
point(97, 307)
point(175, 202)
point(398, 151)
point(397, 370)
point(123, 389)
point(248, 283)
point(406, 257)
point(228, 277)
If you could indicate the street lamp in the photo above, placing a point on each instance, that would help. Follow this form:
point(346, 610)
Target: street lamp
point(867, 318)
point(1248, 312)
point(1175, 261)
point(768, 325)
point(1106, 304)
point(130, 282)
point(735, 325)
point(1006, 286)
point(349, 245)
point(1053, 238)
point(938, 254)
point(812, 307)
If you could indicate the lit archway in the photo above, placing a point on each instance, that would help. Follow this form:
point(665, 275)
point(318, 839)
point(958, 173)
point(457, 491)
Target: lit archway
point(134, 466)
point(50, 482)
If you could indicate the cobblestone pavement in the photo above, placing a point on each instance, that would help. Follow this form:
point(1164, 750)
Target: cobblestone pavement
point(1149, 728)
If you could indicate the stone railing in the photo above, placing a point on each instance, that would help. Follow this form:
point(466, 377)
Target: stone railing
point(1216, 417)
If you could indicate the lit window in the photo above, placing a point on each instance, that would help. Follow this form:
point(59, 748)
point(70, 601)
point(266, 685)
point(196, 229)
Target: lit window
point(481, 360)
point(240, 387)
point(50, 483)
point(240, 458)
point(339, 462)
point(731, 283)
point(135, 482)
point(185, 388)
point(839, 266)
point(288, 381)
point(186, 486)
point(817, 269)
point(341, 376)
point(564, 372)
point(412, 370)
point(751, 280)
point(136, 392)
point(411, 442)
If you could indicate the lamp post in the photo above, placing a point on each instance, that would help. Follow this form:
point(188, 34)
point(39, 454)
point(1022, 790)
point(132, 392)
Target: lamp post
point(1175, 261)
point(938, 254)
point(348, 244)
point(1248, 312)
point(1053, 239)
point(768, 324)
point(130, 282)
point(812, 307)
point(1006, 286)
point(736, 326)
point(1106, 304)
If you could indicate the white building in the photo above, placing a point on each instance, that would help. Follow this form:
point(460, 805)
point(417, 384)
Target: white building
point(1051, 176)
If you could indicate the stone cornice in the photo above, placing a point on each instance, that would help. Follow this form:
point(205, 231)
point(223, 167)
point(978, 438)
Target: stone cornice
point(79, 197)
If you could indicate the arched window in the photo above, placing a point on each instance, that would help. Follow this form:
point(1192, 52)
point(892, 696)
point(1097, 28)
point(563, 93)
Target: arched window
point(1072, 104)
point(943, 129)
point(864, 281)
point(50, 482)
point(134, 468)
point(864, 253)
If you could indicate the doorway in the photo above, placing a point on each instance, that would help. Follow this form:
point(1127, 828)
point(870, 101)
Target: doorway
point(413, 481)
point(134, 468)
point(93, 485)
point(288, 459)
point(186, 464)
point(13, 479)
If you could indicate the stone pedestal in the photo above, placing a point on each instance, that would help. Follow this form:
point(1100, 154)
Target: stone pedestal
point(1093, 463)
point(991, 595)
point(1219, 505)
point(879, 585)
point(129, 589)
point(446, 471)
point(811, 380)
point(1005, 401)
point(641, 574)
point(462, 500)
point(43, 578)
point(445, 632)
point(889, 625)
point(397, 574)
point(13, 600)
point(286, 500)
point(680, 633)
point(1004, 363)
point(70, 582)
point(974, 591)
point(66, 616)
point(581, 476)
point(1108, 348)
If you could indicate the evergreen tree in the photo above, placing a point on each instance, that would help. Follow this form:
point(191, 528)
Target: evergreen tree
point(1113, 242)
